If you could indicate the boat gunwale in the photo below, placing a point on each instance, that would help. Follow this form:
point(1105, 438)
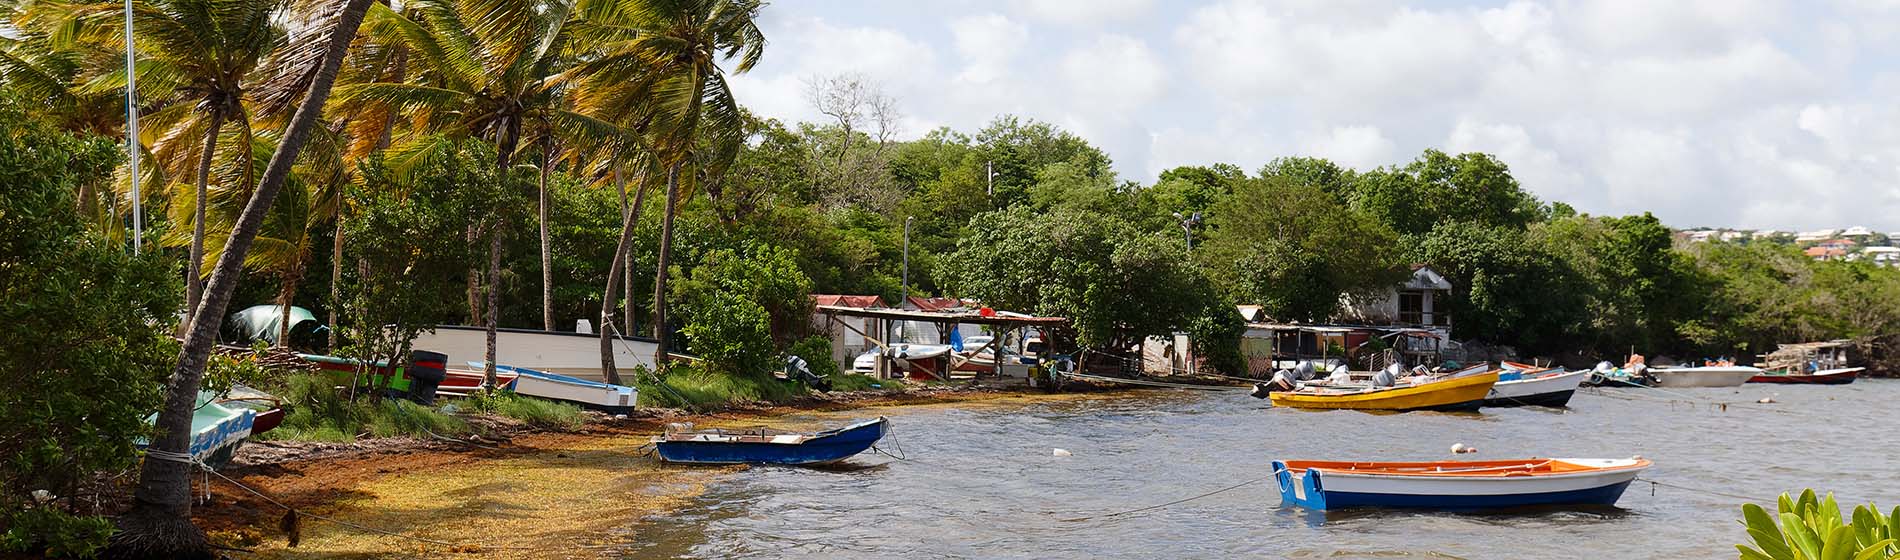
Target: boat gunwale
point(1498, 472)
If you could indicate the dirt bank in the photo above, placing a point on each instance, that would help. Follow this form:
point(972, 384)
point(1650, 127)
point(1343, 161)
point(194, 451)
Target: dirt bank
point(516, 493)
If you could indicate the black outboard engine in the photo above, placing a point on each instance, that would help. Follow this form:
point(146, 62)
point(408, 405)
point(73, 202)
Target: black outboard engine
point(797, 370)
point(1261, 390)
point(425, 372)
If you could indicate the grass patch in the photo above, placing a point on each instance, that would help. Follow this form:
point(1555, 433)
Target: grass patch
point(321, 412)
point(694, 389)
point(540, 413)
point(861, 382)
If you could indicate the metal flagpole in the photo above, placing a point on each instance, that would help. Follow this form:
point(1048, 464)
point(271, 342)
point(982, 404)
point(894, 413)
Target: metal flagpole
point(132, 132)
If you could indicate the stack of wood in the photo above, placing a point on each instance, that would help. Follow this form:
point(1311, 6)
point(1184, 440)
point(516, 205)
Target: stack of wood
point(273, 358)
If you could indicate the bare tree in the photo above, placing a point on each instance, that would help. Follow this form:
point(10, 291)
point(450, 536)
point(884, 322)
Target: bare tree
point(850, 160)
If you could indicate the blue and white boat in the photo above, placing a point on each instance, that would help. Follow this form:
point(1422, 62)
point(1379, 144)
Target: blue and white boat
point(1456, 485)
point(605, 397)
point(761, 446)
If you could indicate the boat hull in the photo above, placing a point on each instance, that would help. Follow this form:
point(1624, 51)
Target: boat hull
point(1329, 489)
point(1733, 376)
point(563, 353)
point(1824, 377)
point(829, 447)
point(1459, 394)
point(1546, 390)
point(605, 397)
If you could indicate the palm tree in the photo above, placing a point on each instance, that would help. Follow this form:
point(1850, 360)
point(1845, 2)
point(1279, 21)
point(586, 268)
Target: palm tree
point(659, 66)
point(199, 56)
point(159, 526)
point(484, 68)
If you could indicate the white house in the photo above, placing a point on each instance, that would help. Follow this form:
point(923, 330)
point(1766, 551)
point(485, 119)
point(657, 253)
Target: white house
point(1856, 232)
point(1815, 236)
point(1424, 300)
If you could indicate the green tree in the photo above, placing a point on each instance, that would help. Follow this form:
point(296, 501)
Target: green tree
point(661, 68)
point(1117, 285)
point(78, 309)
point(199, 62)
point(1295, 250)
point(741, 308)
point(1439, 187)
point(1505, 288)
point(158, 525)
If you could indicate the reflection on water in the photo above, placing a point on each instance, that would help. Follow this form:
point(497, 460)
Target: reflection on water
point(982, 482)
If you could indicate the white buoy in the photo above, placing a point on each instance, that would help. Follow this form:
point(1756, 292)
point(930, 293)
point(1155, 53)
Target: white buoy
point(1060, 452)
point(1767, 400)
point(1457, 448)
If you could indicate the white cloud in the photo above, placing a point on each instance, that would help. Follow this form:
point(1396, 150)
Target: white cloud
point(1753, 113)
point(1082, 12)
point(1360, 147)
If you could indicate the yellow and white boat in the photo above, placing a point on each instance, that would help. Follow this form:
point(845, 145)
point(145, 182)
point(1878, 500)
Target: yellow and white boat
point(1457, 393)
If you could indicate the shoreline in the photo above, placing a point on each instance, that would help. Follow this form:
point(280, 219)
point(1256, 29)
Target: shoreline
point(581, 484)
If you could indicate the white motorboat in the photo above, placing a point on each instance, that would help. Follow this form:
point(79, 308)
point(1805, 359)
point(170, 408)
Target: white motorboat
point(565, 353)
point(1548, 387)
point(1706, 376)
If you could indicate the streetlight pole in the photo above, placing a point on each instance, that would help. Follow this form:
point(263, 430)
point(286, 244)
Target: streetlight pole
point(1187, 227)
point(132, 131)
point(907, 221)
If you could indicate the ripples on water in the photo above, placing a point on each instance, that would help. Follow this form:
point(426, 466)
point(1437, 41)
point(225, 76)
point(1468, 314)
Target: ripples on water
point(981, 481)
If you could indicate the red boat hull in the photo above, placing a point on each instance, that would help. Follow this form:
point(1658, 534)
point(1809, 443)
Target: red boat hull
point(1839, 378)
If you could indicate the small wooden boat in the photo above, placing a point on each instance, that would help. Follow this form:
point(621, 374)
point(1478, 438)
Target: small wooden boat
point(606, 397)
point(1465, 392)
point(764, 446)
point(1527, 386)
point(1838, 376)
point(1456, 485)
point(216, 430)
point(1706, 376)
point(1618, 378)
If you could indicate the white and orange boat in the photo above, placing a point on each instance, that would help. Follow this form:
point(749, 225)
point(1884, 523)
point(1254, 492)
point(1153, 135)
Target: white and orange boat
point(1456, 485)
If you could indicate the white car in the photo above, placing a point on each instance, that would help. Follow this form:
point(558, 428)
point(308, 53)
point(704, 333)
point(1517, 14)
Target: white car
point(865, 363)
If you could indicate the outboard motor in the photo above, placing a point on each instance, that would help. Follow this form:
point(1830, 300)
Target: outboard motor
point(426, 371)
point(796, 369)
point(1261, 390)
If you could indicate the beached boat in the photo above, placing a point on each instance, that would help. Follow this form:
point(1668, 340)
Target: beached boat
point(767, 446)
point(1837, 376)
point(1534, 387)
point(564, 353)
point(456, 382)
point(1706, 376)
point(606, 397)
point(1456, 485)
point(1465, 392)
point(216, 430)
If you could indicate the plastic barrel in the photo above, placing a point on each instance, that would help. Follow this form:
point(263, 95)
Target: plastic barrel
point(426, 372)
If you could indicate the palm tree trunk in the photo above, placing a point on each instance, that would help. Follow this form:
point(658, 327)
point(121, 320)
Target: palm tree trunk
point(665, 259)
point(289, 293)
point(633, 221)
point(494, 302)
point(474, 291)
point(158, 525)
point(626, 264)
point(547, 261)
point(194, 275)
point(618, 273)
point(336, 274)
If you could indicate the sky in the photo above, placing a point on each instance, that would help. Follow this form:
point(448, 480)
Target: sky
point(1724, 113)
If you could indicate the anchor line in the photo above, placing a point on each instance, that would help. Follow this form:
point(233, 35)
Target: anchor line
point(1269, 476)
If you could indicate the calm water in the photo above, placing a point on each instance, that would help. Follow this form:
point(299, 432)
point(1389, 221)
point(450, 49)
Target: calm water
point(981, 481)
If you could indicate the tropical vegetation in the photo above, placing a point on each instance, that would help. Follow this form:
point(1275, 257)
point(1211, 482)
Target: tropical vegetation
point(1806, 528)
point(490, 162)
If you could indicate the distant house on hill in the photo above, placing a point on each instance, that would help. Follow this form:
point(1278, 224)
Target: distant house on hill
point(1816, 236)
point(1883, 256)
point(1857, 233)
point(1826, 252)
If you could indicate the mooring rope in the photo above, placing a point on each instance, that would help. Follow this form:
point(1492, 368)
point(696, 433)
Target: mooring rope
point(1269, 476)
point(1154, 383)
point(1653, 484)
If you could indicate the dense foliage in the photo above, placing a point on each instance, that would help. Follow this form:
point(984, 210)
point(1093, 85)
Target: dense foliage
point(1808, 528)
point(76, 389)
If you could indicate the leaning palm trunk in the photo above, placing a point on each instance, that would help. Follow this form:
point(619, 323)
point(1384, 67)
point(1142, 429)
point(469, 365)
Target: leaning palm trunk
point(336, 275)
point(665, 258)
point(158, 525)
point(284, 299)
point(194, 273)
point(616, 273)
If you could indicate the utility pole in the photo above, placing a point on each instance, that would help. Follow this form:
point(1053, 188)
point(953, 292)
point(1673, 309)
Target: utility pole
point(132, 131)
point(1187, 227)
point(906, 273)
